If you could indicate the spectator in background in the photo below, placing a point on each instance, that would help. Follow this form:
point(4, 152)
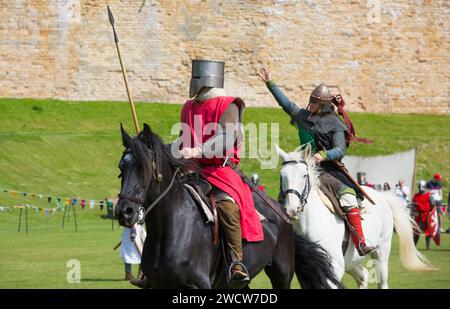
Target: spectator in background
point(448, 205)
point(255, 180)
point(131, 249)
point(362, 181)
point(435, 188)
point(402, 191)
point(448, 210)
point(423, 202)
point(386, 187)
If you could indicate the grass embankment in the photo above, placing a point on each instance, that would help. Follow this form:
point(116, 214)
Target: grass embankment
point(72, 149)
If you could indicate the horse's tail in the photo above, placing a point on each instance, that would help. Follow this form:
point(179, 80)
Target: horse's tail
point(313, 265)
point(410, 257)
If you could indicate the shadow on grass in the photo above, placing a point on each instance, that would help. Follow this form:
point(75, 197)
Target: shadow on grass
point(100, 280)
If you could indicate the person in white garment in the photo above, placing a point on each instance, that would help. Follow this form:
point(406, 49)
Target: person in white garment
point(402, 191)
point(131, 248)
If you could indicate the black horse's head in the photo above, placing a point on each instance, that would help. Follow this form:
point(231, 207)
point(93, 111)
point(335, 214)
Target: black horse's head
point(146, 165)
point(136, 166)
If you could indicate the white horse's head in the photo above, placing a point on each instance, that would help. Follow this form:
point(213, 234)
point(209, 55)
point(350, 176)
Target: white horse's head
point(297, 177)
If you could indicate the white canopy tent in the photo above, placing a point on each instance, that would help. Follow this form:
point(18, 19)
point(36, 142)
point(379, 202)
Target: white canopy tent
point(381, 169)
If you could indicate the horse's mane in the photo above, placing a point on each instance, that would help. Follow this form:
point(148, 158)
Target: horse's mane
point(161, 153)
point(304, 153)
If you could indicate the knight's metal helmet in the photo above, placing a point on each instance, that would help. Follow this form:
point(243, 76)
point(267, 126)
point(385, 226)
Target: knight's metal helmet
point(206, 73)
point(361, 178)
point(321, 95)
point(255, 178)
point(422, 185)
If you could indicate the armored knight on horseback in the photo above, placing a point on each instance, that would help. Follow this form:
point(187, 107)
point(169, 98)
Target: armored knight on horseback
point(211, 134)
point(319, 126)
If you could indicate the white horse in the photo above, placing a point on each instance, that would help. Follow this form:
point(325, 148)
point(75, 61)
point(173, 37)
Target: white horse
point(312, 218)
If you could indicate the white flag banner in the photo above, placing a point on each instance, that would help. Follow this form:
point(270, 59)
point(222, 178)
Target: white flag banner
point(381, 169)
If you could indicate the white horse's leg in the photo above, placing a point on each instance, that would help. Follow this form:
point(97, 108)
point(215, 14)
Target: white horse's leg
point(361, 276)
point(337, 260)
point(382, 274)
point(382, 271)
point(381, 265)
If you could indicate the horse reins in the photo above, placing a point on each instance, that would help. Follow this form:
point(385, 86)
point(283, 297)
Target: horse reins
point(143, 212)
point(306, 190)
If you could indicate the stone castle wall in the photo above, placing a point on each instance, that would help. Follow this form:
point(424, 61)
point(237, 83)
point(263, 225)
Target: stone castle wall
point(383, 56)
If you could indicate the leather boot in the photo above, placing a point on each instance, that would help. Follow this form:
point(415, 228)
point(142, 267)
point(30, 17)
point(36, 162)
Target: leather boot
point(357, 235)
point(239, 277)
point(366, 250)
point(229, 218)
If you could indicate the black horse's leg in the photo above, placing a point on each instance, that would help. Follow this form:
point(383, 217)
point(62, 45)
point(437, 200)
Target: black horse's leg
point(278, 278)
point(282, 269)
point(203, 282)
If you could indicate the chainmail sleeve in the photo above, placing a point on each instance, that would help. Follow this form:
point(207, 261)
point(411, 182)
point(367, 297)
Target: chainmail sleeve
point(226, 134)
point(339, 147)
point(288, 106)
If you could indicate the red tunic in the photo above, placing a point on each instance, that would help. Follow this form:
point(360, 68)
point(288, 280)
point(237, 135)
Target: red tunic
point(201, 120)
point(423, 207)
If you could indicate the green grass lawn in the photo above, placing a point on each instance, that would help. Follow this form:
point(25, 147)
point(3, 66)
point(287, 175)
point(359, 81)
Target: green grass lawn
point(72, 149)
point(39, 259)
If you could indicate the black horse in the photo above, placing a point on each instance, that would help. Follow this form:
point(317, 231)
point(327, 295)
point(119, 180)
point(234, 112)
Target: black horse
point(179, 250)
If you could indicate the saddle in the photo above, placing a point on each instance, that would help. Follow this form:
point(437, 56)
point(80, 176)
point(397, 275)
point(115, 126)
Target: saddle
point(329, 199)
point(201, 185)
point(201, 192)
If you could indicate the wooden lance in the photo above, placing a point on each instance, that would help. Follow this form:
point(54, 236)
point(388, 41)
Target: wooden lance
point(124, 71)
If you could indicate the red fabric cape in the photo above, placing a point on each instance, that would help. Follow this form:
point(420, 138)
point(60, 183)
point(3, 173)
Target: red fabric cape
point(208, 112)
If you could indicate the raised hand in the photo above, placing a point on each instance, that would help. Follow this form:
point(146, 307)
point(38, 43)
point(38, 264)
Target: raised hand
point(264, 73)
point(317, 158)
point(338, 98)
point(189, 153)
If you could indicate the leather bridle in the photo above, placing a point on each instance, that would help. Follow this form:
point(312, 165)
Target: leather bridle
point(303, 197)
point(142, 209)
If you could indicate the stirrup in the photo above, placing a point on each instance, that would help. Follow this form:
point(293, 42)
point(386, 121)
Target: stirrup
point(373, 254)
point(242, 283)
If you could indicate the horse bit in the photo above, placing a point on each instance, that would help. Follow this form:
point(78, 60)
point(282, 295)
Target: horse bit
point(307, 188)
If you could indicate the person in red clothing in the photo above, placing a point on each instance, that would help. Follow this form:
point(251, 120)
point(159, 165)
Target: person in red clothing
point(212, 134)
point(423, 202)
point(255, 180)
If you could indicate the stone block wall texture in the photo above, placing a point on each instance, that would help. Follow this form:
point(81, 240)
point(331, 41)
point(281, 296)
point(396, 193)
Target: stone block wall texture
point(383, 56)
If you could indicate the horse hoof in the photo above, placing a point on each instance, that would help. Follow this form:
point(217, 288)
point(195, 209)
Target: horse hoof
point(239, 284)
point(143, 283)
